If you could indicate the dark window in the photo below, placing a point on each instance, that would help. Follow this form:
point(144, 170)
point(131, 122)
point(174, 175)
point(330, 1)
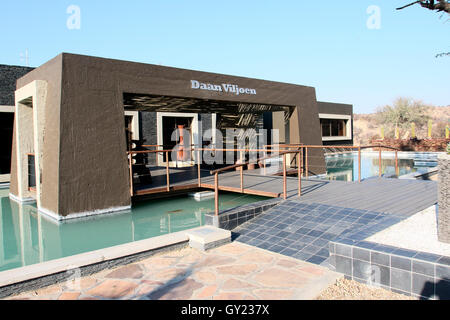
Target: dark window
point(326, 127)
point(31, 172)
point(333, 127)
point(6, 134)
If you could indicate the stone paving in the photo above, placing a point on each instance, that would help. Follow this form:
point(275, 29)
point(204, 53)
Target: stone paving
point(235, 271)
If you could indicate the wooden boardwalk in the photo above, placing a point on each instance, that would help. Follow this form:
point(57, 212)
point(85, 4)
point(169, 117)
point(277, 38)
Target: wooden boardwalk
point(402, 197)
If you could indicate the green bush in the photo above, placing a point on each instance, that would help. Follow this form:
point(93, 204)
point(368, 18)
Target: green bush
point(448, 148)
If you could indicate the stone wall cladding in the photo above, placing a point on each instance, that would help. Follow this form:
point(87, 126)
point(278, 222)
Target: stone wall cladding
point(148, 132)
point(444, 198)
point(206, 122)
point(8, 78)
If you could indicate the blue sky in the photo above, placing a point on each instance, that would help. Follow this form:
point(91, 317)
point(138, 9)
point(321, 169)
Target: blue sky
point(325, 44)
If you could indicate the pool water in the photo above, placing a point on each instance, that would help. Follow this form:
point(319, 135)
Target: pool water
point(27, 237)
point(345, 167)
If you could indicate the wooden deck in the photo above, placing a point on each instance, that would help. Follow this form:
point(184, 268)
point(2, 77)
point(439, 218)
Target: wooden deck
point(403, 197)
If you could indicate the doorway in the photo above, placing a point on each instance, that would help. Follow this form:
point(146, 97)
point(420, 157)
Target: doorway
point(177, 129)
point(6, 132)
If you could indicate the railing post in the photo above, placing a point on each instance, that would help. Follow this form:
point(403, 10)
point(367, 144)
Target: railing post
point(216, 194)
point(199, 169)
point(381, 167)
point(299, 165)
point(359, 164)
point(242, 179)
point(167, 171)
point(307, 163)
point(131, 175)
point(397, 171)
point(266, 154)
point(284, 178)
point(242, 175)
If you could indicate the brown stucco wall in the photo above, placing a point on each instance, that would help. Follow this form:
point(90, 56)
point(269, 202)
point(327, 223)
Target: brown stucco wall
point(305, 129)
point(52, 73)
point(114, 76)
point(93, 162)
point(335, 108)
point(85, 122)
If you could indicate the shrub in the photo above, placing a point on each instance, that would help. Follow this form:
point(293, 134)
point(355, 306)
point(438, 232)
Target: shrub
point(402, 113)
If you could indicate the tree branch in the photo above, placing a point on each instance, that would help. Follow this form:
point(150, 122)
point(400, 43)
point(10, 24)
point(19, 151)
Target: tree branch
point(437, 5)
point(408, 5)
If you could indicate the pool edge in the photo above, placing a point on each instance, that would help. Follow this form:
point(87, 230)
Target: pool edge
point(32, 277)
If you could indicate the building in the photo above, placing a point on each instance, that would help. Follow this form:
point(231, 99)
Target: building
point(69, 147)
point(8, 77)
point(336, 122)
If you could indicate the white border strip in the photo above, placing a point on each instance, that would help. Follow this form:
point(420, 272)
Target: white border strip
point(48, 268)
point(5, 178)
point(21, 201)
point(7, 109)
point(58, 218)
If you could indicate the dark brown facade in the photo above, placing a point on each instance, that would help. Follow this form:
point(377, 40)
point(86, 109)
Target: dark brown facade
point(338, 110)
point(84, 164)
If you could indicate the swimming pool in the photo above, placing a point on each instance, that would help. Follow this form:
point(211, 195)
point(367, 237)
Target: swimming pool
point(27, 237)
point(345, 166)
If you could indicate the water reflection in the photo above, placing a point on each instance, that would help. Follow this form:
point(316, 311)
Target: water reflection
point(27, 237)
point(345, 167)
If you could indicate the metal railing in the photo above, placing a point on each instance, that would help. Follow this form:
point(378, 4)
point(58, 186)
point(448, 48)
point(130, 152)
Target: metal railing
point(241, 166)
point(302, 156)
point(358, 149)
point(130, 164)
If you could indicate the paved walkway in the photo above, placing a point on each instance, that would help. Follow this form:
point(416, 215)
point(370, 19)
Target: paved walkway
point(303, 230)
point(232, 272)
point(393, 196)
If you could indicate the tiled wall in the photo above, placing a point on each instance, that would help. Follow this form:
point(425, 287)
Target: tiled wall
point(412, 273)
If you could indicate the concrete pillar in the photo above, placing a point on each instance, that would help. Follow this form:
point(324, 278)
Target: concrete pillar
point(29, 123)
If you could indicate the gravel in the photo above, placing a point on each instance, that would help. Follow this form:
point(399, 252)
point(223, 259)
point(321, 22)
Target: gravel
point(419, 233)
point(351, 290)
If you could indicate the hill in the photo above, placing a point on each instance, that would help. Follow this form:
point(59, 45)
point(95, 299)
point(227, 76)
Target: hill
point(368, 126)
